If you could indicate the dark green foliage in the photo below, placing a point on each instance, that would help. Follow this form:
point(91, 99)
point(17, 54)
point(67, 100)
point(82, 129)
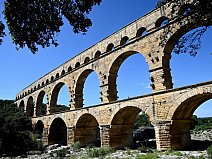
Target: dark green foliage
point(36, 23)
point(197, 12)
point(2, 33)
point(198, 124)
point(209, 151)
point(142, 120)
point(99, 152)
point(16, 136)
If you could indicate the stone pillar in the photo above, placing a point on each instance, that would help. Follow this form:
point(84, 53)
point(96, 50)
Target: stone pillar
point(76, 100)
point(162, 135)
point(174, 134)
point(70, 135)
point(161, 79)
point(105, 135)
point(45, 136)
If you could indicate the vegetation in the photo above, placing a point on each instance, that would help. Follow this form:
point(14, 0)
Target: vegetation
point(197, 12)
point(209, 151)
point(39, 22)
point(99, 152)
point(201, 123)
point(147, 156)
point(142, 120)
point(16, 137)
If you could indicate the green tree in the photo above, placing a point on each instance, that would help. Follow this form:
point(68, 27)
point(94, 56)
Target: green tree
point(16, 136)
point(36, 23)
point(197, 12)
point(142, 120)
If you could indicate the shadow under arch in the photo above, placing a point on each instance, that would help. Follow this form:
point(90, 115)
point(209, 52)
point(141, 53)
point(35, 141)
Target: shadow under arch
point(39, 128)
point(21, 105)
point(30, 107)
point(122, 124)
point(54, 97)
point(113, 73)
point(39, 104)
point(57, 132)
point(80, 86)
point(87, 131)
point(181, 118)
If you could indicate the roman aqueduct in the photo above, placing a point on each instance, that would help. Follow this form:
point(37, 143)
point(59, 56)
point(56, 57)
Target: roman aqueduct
point(169, 109)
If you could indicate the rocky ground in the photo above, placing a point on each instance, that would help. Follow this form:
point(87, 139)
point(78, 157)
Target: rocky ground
point(201, 139)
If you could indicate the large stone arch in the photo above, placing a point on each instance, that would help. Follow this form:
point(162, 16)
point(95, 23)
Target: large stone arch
point(186, 104)
point(57, 132)
point(180, 116)
point(78, 89)
point(21, 105)
point(39, 126)
point(39, 104)
point(121, 131)
point(113, 72)
point(30, 106)
point(87, 130)
point(54, 96)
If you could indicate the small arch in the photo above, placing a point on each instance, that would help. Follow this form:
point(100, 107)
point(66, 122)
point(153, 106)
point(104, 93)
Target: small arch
point(30, 107)
point(141, 32)
point(63, 72)
point(87, 130)
point(38, 86)
point(42, 83)
point(58, 132)
point(35, 88)
point(40, 106)
point(52, 78)
point(39, 128)
point(47, 81)
point(21, 105)
point(97, 54)
point(162, 21)
point(31, 90)
point(87, 59)
point(124, 40)
point(77, 65)
point(110, 47)
point(57, 76)
point(185, 9)
point(69, 69)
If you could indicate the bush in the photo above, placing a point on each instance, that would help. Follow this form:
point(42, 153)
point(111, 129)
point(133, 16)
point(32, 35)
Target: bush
point(209, 151)
point(99, 152)
point(61, 152)
point(147, 156)
point(76, 146)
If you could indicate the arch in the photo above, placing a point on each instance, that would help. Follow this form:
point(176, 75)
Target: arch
point(77, 65)
point(35, 88)
point(69, 69)
point(162, 21)
point(121, 132)
point(42, 83)
point(113, 72)
point(57, 132)
point(38, 86)
point(30, 107)
point(79, 87)
point(63, 72)
point(39, 128)
point(54, 97)
point(185, 106)
point(141, 32)
point(21, 105)
point(87, 130)
point(47, 81)
point(40, 108)
point(52, 78)
point(110, 47)
point(87, 59)
point(57, 76)
point(97, 54)
point(124, 40)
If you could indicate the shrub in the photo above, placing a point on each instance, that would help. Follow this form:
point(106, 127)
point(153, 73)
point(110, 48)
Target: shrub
point(147, 156)
point(76, 146)
point(99, 152)
point(209, 151)
point(61, 152)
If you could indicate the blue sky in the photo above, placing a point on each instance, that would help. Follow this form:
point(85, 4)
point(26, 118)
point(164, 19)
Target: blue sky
point(20, 68)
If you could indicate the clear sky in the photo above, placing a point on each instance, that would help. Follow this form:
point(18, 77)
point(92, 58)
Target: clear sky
point(20, 68)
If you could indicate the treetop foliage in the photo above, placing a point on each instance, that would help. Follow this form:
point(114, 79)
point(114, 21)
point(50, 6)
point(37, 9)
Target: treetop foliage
point(198, 13)
point(37, 23)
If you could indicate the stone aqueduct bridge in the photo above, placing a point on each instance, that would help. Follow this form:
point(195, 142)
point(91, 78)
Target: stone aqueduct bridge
point(169, 109)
